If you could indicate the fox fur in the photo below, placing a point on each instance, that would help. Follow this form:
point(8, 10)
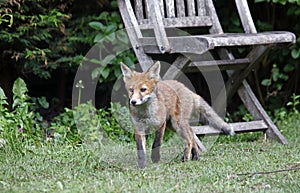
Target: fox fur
point(154, 102)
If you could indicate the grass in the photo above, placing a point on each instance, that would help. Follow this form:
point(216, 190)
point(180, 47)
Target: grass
point(244, 164)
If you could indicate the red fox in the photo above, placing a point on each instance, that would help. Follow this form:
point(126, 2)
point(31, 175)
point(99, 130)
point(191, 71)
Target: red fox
point(153, 102)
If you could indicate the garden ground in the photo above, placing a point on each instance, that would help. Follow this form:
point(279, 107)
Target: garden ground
point(243, 163)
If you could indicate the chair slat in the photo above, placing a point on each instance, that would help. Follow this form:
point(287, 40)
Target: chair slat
point(201, 7)
point(161, 5)
point(216, 28)
point(203, 21)
point(139, 11)
point(170, 7)
point(159, 30)
point(180, 8)
point(218, 64)
point(191, 11)
point(245, 16)
point(240, 127)
point(134, 33)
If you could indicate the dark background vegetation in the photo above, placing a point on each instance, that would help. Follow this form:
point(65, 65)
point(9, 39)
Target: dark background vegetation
point(48, 146)
point(44, 43)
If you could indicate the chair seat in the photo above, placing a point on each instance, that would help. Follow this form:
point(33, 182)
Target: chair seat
point(202, 43)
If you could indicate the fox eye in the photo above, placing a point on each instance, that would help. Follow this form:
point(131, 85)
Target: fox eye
point(143, 89)
point(130, 89)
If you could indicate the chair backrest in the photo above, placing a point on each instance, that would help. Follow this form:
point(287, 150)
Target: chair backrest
point(175, 13)
point(159, 15)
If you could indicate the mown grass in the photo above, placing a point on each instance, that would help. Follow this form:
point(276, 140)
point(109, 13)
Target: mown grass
point(231, 165)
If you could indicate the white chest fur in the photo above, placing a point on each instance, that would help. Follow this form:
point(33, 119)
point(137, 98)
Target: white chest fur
point(148, 116)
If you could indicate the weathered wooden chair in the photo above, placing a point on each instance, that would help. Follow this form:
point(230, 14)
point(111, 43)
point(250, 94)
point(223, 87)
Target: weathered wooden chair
point(161, 16)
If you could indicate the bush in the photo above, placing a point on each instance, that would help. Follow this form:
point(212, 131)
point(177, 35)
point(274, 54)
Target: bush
point(87, 124)
point(22, 123)
point(84, 123)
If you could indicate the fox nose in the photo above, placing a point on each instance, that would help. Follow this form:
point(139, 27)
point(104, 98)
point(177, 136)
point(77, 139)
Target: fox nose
point(133, 101)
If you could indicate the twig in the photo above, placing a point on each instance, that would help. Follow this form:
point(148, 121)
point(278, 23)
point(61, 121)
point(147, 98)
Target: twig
point(268, 172)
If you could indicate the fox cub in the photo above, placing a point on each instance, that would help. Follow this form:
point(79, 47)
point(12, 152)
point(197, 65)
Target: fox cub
point(154, 102)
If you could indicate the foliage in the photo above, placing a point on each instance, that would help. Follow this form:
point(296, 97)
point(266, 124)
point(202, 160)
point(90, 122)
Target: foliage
point(22, 123)
point(294, 103)
point(279, 69)
point(41, 36)
point(87, 124)
point(283, 2)
point(113, 43)
point(284, 64)
point(84, 123)
point(30, 35)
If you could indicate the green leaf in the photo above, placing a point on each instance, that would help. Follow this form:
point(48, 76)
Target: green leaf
point(295, 53)
point(117, 72)
point(105, 72)
point(111, 37)
point(114, 4)
point(266, 82)
point(19, 88)
point(122, 36)
point(288, 68)
point(2, 94)
point(95, 61)
point(99, 38)
point(275, 73)
point(259, 1)
point(108, 59)
point(43, 102)
point(97, 25)
point(117, 86)
point(95, 73)
point(111, 28)
point(103, 15)
point(129, 62)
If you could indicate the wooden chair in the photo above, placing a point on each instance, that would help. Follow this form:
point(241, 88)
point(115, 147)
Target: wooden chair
point(162, 17)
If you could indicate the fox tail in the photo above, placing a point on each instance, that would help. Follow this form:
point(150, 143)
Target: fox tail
point(214, 120)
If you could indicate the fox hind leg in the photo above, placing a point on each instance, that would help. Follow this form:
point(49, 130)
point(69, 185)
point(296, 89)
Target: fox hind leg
point(195, 151)
point(186, 133)
point(191, 153)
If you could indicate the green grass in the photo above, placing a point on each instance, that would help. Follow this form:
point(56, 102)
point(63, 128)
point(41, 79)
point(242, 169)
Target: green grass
point(231, 165)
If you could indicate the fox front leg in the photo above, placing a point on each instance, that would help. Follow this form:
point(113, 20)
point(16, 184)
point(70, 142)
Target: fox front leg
point(141, 149)
point(159, 134)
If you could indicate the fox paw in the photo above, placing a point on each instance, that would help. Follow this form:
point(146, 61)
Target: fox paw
point(142, 164)
point(195, 154)
point(155, 155)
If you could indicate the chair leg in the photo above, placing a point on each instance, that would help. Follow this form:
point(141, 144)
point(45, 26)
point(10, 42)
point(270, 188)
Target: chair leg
point(254, 107)
point(236, 78)
point(176, 68)
point(237, 81)
point(199, 143)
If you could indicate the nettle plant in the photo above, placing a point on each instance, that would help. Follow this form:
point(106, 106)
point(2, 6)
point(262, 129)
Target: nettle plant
point(22, 122)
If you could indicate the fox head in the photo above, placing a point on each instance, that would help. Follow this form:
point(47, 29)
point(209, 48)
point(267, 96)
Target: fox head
point(141, 85)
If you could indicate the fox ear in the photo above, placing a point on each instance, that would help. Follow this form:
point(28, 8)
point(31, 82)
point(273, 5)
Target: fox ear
point(154, 71)
point(127, 72)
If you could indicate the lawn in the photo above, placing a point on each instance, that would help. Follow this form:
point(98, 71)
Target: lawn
point(244, 163)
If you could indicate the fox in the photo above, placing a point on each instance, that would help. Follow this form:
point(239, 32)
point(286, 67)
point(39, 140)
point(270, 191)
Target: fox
point(154, 102)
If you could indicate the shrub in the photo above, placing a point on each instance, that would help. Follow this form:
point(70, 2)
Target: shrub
point(87, 124)
point(20, 124)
